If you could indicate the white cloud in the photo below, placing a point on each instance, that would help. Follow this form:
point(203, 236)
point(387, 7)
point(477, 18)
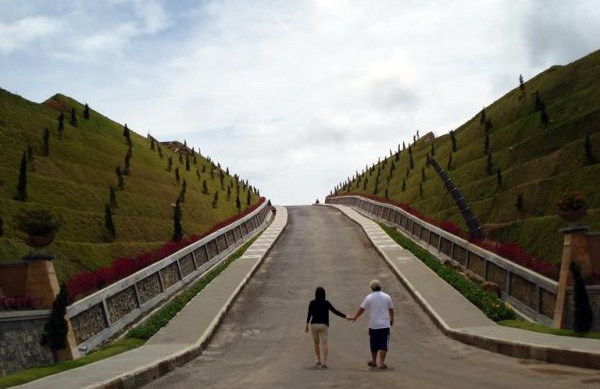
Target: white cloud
point(297, 95)
point(26, 32)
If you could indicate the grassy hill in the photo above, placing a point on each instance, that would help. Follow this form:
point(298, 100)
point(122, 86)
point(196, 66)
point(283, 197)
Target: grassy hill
point(73, 182)
point(536, 161)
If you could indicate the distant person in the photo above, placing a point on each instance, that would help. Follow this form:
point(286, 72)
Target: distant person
point(318, 318)
point(381, 311)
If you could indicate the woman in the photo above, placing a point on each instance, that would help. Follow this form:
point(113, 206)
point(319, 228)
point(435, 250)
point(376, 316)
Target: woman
point(318, 318)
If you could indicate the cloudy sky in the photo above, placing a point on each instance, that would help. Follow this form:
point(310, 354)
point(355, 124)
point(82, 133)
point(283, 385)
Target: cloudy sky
point(293, 95)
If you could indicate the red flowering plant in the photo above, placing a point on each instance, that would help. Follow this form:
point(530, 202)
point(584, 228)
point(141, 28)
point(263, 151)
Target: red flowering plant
point(15, 303)
point(571, 201)
point(87, 282)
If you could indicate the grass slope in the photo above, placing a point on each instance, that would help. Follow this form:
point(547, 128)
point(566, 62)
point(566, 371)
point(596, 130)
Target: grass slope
point(73, 182)
point(536, 161)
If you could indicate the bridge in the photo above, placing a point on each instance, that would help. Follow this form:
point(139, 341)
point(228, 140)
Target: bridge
point(260, 341)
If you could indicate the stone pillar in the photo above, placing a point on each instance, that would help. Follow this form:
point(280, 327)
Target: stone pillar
point(41, 283)
point(574, 249)
point(42, 286)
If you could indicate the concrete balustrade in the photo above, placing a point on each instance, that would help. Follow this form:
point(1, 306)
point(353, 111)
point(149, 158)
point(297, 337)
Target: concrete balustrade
point(532, 294)
point(103, 314)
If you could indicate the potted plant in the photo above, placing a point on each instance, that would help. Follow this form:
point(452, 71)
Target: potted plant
point(571, 206)
point(39, 225)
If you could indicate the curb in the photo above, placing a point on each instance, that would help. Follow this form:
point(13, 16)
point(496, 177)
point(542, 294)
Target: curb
point(571, 357)
point(151, 372)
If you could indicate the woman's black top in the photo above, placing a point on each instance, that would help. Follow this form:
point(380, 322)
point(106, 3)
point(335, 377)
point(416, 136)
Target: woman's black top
point(318, 312)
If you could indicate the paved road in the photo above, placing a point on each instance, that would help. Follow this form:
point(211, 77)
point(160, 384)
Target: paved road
point(261, 343)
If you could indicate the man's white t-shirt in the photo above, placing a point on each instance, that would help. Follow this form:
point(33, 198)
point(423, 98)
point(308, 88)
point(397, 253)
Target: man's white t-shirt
point(378, 304)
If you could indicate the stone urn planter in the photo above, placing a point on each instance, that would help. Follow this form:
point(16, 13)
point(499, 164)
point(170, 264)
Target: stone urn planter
point(39, 226)
point(571, 206)
point(572, 215)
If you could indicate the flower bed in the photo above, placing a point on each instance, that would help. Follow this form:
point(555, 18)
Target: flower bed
point(15, 303)
point(508, 250)
point(88, 282)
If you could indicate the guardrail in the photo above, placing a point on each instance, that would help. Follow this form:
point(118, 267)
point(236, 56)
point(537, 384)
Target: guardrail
point(531, 293)
point(104, 313)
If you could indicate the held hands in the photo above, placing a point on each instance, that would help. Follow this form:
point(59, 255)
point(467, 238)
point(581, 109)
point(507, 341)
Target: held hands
point(351, 319)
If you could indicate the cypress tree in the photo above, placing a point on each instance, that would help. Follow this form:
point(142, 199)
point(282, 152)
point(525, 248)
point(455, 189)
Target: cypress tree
point(61, 124)
point(450, 162)
point(238, 204)
point(187, 163)
point(152, 147)
point(46, 142)
point(544, 116)
point(453, 139)
point(423, 178)
point(182, 193)
point(204, 188)
point(521, 83)
point(73, 120)
point(86, 112)
point(177, 177)
point(108, 224)
point(177, 229)
point(489, 165)
point(403, 185)
point(486, 143)
point(228, 193)
point(365, 183)
point(22, 184)
point(432, 150)
point(180, 158)
point(120, 181)
point(482, 116)
point(215, 202)
point(127, 161)
point(1, 227)
point(386, 193)
point(488, 125)
point(112, 197)
point(126, 134)
point(499, 177)
point(198, 174)
point(421, 189)
point(56, 328)
point(248, 199)
point(160, 154)
point(520, 203)
point(583, 316)
point(589, 152)
point(170, 163)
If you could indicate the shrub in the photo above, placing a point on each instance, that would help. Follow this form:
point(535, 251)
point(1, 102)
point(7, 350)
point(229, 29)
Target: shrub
point(490, 304)
point(582, 316)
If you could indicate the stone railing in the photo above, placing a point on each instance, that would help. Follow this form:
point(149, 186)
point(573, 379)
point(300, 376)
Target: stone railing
point(103, 314)
point(532, 294)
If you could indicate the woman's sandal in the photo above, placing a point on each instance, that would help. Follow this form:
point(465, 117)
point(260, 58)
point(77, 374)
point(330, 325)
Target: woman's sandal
point(371, 364)
point(383, 367)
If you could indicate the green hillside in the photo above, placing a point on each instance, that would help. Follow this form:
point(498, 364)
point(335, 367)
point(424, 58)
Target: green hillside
point(536, 161)
point(73, 182)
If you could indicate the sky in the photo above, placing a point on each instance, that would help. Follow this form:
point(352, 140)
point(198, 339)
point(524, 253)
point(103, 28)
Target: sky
point(292, 95)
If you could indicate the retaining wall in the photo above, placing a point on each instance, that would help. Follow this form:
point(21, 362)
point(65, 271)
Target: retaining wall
point(101, 315)
point(530, 293)
point(20, 340)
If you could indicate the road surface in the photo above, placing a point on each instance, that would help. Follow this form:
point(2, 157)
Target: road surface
point(262, 344)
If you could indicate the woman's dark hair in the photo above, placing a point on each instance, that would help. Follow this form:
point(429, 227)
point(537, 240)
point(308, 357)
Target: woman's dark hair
point(320, 293)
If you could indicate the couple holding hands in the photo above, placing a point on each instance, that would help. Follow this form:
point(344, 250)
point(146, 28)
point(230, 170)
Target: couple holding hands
point(381, 312)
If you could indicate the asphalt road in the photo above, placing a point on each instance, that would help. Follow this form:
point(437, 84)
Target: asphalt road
point(262, 344)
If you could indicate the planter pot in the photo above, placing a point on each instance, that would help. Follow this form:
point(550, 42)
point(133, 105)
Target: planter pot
point(572, 215)
point(38, 241)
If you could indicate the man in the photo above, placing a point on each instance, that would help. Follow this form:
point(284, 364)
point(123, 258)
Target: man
point(381, 311)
